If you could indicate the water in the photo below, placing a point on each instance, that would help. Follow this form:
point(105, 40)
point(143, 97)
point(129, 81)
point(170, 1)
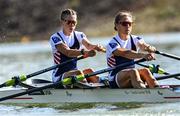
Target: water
point(19, 58)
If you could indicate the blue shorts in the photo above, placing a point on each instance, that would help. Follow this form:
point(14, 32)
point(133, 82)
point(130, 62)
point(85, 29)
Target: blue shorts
point(58, 78)
point(113, 83)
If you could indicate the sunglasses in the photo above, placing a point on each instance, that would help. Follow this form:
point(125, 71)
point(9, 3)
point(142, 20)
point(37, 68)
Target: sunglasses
point(125, 23)
point(69, 22)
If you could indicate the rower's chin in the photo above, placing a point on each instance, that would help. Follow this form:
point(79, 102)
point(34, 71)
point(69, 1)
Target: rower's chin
point(71, 30)
point(127, 32)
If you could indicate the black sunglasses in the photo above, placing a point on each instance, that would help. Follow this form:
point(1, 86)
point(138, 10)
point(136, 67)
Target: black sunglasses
point(125, 23)
point(69, 22)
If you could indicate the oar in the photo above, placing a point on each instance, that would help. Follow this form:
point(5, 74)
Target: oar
point(21, 78)
point(156, 69)
point(168, 76)
point(168, 55)
point(68, 81)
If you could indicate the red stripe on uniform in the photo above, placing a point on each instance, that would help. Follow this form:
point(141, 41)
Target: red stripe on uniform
point(56, 62)
point(111, 61)
point(110, 65)
point(57, 58)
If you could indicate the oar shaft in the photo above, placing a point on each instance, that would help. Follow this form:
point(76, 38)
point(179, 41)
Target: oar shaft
point(168, 76)
point(54, 67)
point(143, 65)
point(2, 85)
point(28, 91)
point(110, 69)
point(168, 55)
point(81, 77)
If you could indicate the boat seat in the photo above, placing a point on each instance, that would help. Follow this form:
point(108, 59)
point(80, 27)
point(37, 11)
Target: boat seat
point(88, 85)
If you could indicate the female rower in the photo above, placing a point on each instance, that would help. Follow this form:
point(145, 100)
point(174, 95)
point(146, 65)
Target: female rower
point(67, 44)
point(124, 48)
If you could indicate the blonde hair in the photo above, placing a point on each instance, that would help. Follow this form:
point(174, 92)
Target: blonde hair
point(66, 13)
point(120, 15)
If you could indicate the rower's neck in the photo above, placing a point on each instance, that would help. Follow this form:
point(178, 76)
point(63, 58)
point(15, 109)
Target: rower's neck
point(123, 36)
point(66, 33)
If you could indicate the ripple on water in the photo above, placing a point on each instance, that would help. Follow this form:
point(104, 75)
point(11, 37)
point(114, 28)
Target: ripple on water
point(64, 109)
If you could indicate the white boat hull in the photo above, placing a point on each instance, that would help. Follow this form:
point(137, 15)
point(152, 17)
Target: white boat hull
point(94, 95)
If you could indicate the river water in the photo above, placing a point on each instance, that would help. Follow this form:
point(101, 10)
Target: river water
point(26, 58)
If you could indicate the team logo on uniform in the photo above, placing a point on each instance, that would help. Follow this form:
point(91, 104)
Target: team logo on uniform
point(83, 35)
point(113, 45)
point(55, 39)
point(139, 38)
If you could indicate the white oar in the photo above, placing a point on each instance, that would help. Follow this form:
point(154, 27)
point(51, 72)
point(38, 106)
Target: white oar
point(71, 80)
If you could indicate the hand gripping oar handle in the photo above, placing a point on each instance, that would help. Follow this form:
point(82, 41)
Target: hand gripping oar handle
point(21, 78)
point(67, 81)
point(168, 55)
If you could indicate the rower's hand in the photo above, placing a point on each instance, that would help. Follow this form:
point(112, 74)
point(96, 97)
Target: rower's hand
point(100, 48)
point(151, 49)
point(90, 53)
point(149, 56)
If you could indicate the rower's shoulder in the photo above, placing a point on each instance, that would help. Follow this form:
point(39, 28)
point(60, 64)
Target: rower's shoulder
point(80, 34)
point(136, 37)
point(55, 34)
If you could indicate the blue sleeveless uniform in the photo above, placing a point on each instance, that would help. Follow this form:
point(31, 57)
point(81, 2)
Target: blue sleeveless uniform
point(114, 61)
point(75, 43)
point(120, 60)
point(72, 65)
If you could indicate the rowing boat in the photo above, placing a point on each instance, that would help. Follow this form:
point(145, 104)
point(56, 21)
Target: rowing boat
point(89, 92)
point(93, 93)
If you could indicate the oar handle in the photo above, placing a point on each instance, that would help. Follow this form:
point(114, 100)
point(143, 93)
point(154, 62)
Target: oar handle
point(168, 55)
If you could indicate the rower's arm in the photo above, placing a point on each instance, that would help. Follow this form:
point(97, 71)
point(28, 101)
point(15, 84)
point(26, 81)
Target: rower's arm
point(146, 47)
point(91, 46)
point(130, 54)
point(64, 49)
